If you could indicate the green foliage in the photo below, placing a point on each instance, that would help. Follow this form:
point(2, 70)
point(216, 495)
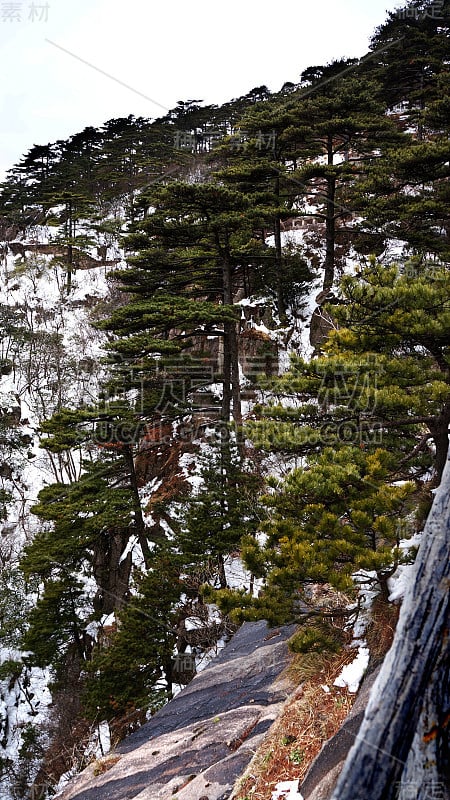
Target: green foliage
point(318, 636)
point(56, 624)
point(296, 756)
point(186, 248)
point(128, 672)
point(10, 669)
point(82, 513)
point(225, 509)
point(409, 54)
point(406, 194)
point(15, 605)
point(325, 522)
point(363, 416)
point(383, 376)
point(86, 527)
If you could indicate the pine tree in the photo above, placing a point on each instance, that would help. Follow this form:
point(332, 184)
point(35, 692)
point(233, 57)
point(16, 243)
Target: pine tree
point(326, 521)
point(334, 131)
point(132, 673)
point(86, 529)
point(383, 377)
point(406, 196)
point(224, 509)
point(369, 417)
point(409, 54)
point(55, 633)
point(185, 272)
point(71, 190)
point(135, 152)
point(252, 161)
point(323, 134)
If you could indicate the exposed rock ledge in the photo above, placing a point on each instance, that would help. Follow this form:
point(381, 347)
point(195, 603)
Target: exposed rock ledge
point(202, 741)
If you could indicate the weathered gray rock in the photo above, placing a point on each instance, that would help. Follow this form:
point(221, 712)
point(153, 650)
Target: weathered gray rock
point(201, 742)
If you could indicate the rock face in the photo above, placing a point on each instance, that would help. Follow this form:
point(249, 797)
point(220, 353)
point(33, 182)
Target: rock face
point(200, 743)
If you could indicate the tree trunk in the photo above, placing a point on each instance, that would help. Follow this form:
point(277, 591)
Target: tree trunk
point(69, 248)
point(231, 386)
point(428, 763)
point(408, 712)
point(279, 257)
point(138, 517)
point(439, 431)
point(235, 378)
point(226, 397)
point(111, 571)
point(221, 571)
point(330, 232)
point(330, 222)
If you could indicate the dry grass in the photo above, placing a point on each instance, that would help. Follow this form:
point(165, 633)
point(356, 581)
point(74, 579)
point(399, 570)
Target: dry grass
point(381, 629)
point(102, 765)
point(310, 717)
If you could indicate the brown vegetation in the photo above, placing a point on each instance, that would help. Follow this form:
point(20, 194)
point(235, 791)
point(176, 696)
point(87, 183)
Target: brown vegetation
point(310, 717)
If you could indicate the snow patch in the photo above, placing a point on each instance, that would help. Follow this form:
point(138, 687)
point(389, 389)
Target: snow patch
point(352, 674)
point(400, 580)
point(287, 790)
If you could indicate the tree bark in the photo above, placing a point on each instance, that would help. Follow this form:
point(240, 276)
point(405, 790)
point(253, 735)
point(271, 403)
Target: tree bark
point(231, 385)
point(235, 378)
point(227, 369)
point(330, 234)
point(138, 516)
point(409, 704)
point(439, 430)
point(279, 257)
point(69, 248)
point(428, 763)
point(330, 221)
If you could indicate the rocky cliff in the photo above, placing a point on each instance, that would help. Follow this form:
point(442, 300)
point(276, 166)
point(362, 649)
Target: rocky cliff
point(202, 741)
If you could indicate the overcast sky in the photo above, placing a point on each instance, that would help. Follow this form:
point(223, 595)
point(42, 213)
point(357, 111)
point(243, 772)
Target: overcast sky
point(166, 50)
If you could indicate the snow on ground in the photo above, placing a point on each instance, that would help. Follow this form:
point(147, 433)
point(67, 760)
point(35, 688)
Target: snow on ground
point(106, 621)
point(240, 578)
point(188, 463)
point(396, 250)
point(99, 742)
point(59, 370)
point(146, 492)
point(352, 674)
point(24, 706)
point(402, 576)
point(22, 701)
point(367, 582)
point(254, 301)
point(287, 790)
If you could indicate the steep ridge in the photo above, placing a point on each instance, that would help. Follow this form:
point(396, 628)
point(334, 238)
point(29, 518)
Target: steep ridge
point(200, 743)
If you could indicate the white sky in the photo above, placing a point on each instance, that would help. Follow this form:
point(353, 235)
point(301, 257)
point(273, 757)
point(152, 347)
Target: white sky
point(168, 50)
